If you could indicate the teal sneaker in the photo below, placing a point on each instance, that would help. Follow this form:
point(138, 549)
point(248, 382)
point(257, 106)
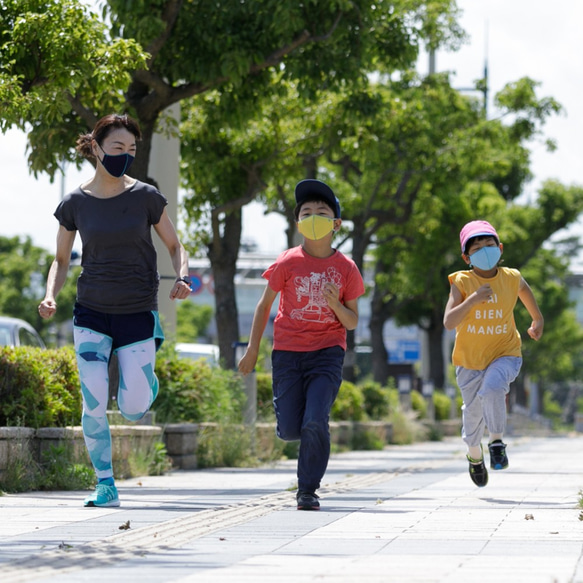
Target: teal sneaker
point(105, 496)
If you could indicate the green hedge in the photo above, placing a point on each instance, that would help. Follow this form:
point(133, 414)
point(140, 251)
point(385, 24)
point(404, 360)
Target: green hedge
point(442, 405)
point(39, 388)
point(192, 391)
point(367, 401)
point(265, 411)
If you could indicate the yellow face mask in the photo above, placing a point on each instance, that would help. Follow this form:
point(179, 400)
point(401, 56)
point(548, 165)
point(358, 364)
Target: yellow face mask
point(315, 227)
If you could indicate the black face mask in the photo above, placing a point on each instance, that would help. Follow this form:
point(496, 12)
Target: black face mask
point(117, 165)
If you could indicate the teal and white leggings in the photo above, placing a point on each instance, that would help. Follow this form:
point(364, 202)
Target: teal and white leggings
point(138, 387)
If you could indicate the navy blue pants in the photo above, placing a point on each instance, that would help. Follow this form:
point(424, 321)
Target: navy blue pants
point(305, 385)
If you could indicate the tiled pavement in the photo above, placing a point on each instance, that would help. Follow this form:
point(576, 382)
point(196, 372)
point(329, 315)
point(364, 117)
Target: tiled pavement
point(405, 514)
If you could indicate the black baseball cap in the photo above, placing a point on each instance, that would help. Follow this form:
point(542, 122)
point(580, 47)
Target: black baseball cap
point(310, 188)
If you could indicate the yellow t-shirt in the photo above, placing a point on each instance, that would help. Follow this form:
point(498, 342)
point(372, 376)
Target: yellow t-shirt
point(488, 331)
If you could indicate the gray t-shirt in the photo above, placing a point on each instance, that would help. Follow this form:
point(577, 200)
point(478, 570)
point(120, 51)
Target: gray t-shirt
point(120, 273)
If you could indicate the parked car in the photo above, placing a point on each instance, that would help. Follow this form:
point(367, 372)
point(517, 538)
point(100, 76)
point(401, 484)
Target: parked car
point(16, 332)
point(209, 352)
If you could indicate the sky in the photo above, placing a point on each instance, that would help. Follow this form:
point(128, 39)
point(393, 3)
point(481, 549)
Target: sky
point(519, 38)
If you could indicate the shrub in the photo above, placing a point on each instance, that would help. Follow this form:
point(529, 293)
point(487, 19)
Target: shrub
point(551, 408)
point(265, 411)
point(367, 439)
point(152, 461)
point(22, 470)
point(61, 471)
point(442, 405)
point(224, 446)
point(349, 404)
point(406, 428)
point(419, 404)
point(39, 387)
point(193, 391)
point(377, 400)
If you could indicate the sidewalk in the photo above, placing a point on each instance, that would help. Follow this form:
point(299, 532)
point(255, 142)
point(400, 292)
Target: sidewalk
point(406, 514)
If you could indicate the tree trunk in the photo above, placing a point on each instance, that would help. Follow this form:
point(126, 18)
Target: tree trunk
point(435, 349)
point(139, 169)
point(359, 244)
point(379, 314)
point(223, 254)
point(519, 392)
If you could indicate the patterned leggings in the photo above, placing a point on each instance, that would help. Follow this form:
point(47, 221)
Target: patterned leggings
point(138, 387)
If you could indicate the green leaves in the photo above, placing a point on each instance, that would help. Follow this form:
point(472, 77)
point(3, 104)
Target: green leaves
point(23, 269)
point(61, 69)
point(57, 56)
point(38, 387)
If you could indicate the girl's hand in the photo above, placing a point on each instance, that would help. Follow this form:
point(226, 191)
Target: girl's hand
point(484, 293)
point(536, 329)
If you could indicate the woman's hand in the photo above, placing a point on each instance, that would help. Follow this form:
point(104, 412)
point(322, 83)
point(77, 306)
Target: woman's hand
point(47, 308)
point(180, 290)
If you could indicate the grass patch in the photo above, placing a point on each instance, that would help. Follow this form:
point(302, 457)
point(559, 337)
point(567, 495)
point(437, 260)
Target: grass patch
point(151, 462)
point(62, 468)
point(225, 446)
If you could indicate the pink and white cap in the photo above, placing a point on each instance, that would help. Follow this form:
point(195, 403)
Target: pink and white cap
point(476, 229)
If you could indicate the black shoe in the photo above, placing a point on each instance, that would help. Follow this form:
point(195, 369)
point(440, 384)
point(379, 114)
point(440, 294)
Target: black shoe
point(498, 457)
point(307, 500)
point(478, 472)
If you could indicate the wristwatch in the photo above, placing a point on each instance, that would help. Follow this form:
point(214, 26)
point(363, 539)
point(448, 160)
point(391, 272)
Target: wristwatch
point(185, 279)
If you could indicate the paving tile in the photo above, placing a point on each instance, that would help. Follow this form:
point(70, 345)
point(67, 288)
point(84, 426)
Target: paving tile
point(406, 514)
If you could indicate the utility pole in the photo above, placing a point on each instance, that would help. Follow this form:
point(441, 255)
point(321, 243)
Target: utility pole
point(482, 85)
point(164, 169)
point(431, 61)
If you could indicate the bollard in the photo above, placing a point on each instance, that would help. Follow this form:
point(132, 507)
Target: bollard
point(452, 394)
point(250, 384)
point(427, 391)
point(404, 386)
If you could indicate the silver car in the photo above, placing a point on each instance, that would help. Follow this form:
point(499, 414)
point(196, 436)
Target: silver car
point(16, 332)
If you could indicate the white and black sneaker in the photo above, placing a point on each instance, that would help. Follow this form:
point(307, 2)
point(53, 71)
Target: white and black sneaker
point(498, 457)
point(478, 471)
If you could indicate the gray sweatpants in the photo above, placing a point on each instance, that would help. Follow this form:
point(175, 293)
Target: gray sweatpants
point(484, 396)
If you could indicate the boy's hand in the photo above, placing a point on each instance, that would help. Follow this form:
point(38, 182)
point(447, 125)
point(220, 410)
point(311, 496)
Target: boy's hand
point(536, 329)
point(331, 294)
point(247, 363)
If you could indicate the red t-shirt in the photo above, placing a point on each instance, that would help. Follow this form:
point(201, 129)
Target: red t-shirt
point(304, 322)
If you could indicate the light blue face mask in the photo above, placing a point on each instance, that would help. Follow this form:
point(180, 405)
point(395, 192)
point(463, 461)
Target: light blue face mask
point(486, 258)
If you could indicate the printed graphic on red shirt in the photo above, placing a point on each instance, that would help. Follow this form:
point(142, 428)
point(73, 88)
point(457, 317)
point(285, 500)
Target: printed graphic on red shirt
point(310, 287)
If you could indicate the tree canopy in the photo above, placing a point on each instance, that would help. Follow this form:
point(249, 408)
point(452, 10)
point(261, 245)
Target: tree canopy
point(23, 271)
point(277, 91)
point(160, 52)
point(57, 61)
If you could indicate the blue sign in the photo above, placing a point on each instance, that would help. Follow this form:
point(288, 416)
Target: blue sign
point(195, 283)
point(405, 351)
